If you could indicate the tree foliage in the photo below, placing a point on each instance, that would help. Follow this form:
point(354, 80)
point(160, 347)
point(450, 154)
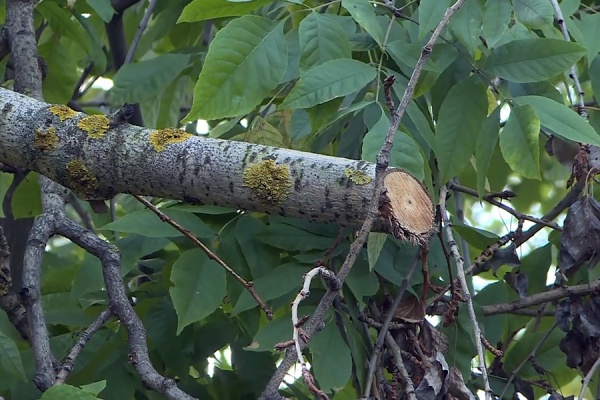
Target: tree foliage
point(326, 78)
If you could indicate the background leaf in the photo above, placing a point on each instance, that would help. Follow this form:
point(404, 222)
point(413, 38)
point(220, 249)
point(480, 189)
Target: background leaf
point(332, 79)
point(201, 10)
point(363, 13)
point(461, 115)
point(519, 142)
point(561, 120)
point(535, 14)
point(146, 79)
point(532, 60)
point(248, 45)
point(321, 39)
point(199, 287)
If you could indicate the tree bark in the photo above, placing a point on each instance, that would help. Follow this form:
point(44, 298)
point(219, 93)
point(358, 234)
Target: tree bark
point(98, 157)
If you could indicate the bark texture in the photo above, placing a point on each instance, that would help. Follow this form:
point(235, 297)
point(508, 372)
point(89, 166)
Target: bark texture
point(97, 159)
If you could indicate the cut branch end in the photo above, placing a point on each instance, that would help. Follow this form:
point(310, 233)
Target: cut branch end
point(406, 210)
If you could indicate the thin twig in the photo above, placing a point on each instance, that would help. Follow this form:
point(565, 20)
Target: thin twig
point(588, 378)
point(460, 215)
point(297, 324)
point(272, 388)
point(539, 298)
point(248, 285)
point(564, 203)
point(140, 30)
point(9, 302)
point(409, 388)
point(573, 74)
point(85, 217)
point(84, 74)
point(490, 199)
point(385, 327)
point(85, 337)
point(513, 375)
point(460, 273)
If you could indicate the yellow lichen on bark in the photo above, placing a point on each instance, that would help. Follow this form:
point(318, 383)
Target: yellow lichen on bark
point(161, 138)
point(62, 112)
point(80, 178)
point(45, 140)
point(270, 183)
point(94, 125)
point(357, 177)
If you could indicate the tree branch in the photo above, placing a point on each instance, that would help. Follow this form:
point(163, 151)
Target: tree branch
point(460, 273)
point(140, 30)
point(119, 305)
point(9, 301)
point(85, 337)
point(174, 164)
point(539, 298)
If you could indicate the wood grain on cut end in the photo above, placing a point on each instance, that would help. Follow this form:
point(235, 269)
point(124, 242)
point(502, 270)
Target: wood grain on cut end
point(407, 207)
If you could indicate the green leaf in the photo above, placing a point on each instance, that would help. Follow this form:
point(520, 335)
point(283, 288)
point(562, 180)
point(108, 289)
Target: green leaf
point(26, 200)
point(466, 24)
point(519, 142)
point(532, 60)
point(332, 79)
point(63, 25)
point(147, 79)
point(375, 243)
point(95, 387)
point(103, 8)
point(321, 39)
point(5, 181)
point(474, 236)
point(67, 392)
point(10, 358)
point(276, 331)
point(535, 14)
point(146, 223)
point(331, 359)
point(430, 14)
point(590, 29)
point(290, 238)
point(461, 115)
point(250, 46)
point(561, 120)
point(361, 281)
point(199, 287)
point(280, 281)
point(569, 7)
point(405, 152)
point(486, 143)
point(201, 10)
point(496, 17)
point(260, 257)
point(364, 14)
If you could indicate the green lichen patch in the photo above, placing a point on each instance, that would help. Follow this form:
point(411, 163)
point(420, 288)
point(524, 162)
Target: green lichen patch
point(62, 112)
point(161, 138)
point(46, 140)
point(357, 177)
point(95, 125)
point(80, 178)
point(270, 183)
